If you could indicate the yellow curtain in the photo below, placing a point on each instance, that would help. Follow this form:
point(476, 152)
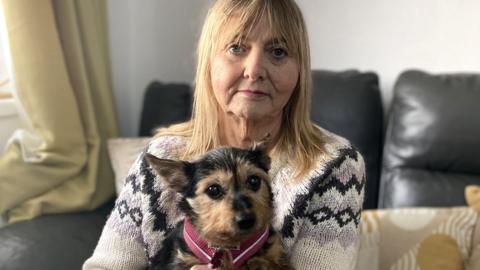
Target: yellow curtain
point(61, 62)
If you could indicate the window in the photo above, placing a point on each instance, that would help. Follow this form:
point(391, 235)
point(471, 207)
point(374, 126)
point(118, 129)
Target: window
point(5, 63)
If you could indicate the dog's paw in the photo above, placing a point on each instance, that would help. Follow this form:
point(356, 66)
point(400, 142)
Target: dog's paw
point(263, 264)
point(258, 264)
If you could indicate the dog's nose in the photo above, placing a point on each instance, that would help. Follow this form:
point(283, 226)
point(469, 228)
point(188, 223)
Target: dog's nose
point(241, 202)
point(245, 221)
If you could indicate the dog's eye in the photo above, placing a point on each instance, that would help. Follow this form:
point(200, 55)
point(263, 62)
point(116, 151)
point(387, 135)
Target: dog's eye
point(254, 182)
point(214, 191)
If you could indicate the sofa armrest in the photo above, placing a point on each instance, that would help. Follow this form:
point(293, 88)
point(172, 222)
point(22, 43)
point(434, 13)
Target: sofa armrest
point(62, 241)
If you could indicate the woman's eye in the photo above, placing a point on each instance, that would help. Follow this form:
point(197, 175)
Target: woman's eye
point(254, 182)
point(235, 49)
point(214, 191)
point(279, 53)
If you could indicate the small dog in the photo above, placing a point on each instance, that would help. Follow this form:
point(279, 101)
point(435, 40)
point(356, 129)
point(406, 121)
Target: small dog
point(227, 201)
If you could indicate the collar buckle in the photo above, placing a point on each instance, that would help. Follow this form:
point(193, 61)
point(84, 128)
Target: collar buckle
point(216, 247)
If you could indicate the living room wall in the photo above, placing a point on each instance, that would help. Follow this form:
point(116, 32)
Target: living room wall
point(389, 36)
point(155, 39)
point(150, 40)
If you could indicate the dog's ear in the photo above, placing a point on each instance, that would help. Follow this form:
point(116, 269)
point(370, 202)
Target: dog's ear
point(174, 172)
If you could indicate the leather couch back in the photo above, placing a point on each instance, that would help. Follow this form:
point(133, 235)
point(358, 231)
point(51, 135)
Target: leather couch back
point(164, 104)
point(348, 103)
point(432, 145)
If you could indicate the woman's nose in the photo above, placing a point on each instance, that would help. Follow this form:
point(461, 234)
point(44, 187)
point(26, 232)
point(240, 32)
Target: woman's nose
point(254, 66)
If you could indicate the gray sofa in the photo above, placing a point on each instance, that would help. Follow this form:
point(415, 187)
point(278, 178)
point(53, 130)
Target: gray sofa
point(432, 146)
point(429, 153)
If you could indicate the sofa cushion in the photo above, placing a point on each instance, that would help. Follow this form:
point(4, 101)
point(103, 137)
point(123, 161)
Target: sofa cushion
point(416, 238)
point(349, 104)
point(432, 143)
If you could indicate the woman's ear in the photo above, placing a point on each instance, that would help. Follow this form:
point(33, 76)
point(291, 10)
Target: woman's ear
point(173, 172)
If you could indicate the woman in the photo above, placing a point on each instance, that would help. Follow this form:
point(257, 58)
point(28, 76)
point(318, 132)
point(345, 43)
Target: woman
point(253, 78)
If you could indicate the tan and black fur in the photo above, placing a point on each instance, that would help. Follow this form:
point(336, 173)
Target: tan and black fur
point(226, 195)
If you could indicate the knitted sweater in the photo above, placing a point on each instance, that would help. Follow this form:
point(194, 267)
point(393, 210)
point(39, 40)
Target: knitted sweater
point(317, 217)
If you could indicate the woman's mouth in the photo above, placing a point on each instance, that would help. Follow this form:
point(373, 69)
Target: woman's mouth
point(253, 93)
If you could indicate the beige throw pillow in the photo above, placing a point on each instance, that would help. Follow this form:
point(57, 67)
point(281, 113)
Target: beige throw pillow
point(416, 238)
point(472, 196)
point(123, 152)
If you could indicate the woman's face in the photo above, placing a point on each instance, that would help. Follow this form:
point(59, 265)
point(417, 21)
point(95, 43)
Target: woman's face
point(254, 79)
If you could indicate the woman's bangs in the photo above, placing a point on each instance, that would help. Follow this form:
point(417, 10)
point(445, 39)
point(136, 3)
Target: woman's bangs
point(283, 28)
point(238, 18)
point(237, 25)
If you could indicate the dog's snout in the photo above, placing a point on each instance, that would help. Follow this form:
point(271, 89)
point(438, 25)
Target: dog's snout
point(242, 202)
point(245, 221)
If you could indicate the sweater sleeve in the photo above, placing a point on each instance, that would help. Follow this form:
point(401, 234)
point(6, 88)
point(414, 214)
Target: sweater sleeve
point(144, 214)
point(328, 237)
point(120, 245)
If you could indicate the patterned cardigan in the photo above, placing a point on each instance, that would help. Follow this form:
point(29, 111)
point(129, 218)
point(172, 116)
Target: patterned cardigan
point(317, 217)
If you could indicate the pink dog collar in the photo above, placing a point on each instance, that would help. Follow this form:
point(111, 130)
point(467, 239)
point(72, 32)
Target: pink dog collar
point(207, 254)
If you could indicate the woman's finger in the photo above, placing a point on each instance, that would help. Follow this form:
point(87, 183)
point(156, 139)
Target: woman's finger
point(200, 267)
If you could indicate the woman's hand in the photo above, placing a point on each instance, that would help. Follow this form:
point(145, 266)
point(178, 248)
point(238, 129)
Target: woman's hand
point(201, 267)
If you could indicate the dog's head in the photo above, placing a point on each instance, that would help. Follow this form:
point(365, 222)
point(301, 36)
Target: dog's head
point(225, 194)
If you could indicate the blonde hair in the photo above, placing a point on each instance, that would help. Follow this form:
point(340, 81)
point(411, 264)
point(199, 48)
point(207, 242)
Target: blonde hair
point(300, 140)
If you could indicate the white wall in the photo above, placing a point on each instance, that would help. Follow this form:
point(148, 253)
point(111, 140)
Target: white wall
point(150, 40)
point(389, 36)
point(156, 39)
